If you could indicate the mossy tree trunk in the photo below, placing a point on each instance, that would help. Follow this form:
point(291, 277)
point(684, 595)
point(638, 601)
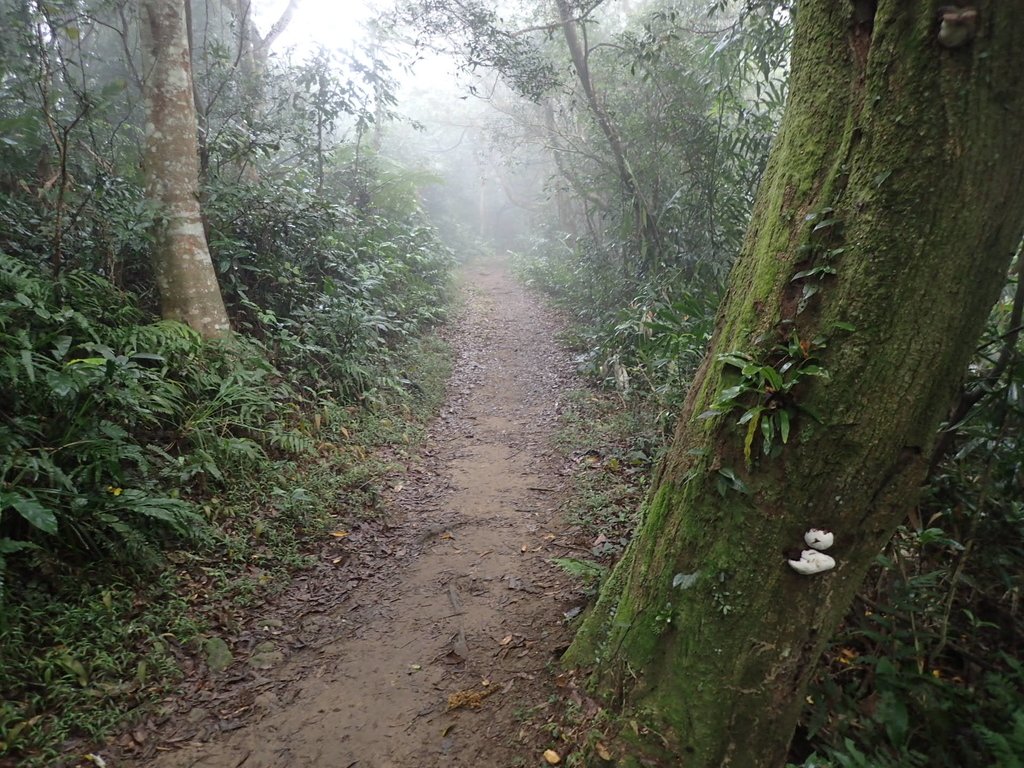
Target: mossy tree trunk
point(882, 233)
point(184, 272)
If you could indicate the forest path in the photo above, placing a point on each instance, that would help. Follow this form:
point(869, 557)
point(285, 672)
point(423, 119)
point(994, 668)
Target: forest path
point(461, 598)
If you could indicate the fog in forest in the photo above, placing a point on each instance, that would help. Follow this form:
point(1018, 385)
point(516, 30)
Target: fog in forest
point(481, 147)
point(412, 383)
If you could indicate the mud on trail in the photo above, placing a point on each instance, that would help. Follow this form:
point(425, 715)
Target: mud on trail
point(421, 640)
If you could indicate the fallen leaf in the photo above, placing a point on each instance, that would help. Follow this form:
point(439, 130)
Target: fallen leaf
point(339, 534)
point(506, 640)
point(523, 548)
point(472, 699)
point(551, 757)
point(602, 751)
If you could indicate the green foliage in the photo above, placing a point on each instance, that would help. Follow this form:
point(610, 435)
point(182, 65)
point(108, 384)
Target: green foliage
point(647, 345)
point(328, 289)
point(80, 653)
point(585, 570)
point(476, 27)
point(76, 474)
point(697, 113)
point(765, 392)
point(619, 446)
point(126, 441)
point(86, 653)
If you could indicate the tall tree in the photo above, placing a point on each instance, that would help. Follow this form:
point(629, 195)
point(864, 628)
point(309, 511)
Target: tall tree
point(891, 205)
point(644, 225)
point(184, 272)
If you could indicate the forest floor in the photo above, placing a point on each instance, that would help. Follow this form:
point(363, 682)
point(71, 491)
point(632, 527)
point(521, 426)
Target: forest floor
point(429, 637)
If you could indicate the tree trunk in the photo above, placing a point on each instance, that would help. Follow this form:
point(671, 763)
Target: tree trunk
point(646, 228)
point(881, 236)
point(184, 272)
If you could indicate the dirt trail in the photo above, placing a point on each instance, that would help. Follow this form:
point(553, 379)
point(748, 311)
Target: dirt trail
point(468, 596)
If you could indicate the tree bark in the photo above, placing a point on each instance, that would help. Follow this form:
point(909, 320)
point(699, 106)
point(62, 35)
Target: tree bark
point(184, 272)
point(881, 236)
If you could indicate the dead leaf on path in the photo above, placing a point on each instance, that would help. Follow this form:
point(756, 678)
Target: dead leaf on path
point(339, 534)
point(471, 698)
point(446, 535)
point(506, 640)
point(602, 751)
point(551, 757)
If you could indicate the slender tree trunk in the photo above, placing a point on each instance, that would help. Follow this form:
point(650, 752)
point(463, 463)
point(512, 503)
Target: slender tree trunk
point(184, 272)
point(482, 213)
point(882, 232)
point(202, 123)
point(644, 224)
point(567, 219)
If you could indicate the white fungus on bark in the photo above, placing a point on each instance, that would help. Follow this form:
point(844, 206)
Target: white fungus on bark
point(811, 562)
point(819, 539)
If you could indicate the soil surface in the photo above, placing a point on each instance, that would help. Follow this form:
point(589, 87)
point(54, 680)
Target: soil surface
point(422, 640)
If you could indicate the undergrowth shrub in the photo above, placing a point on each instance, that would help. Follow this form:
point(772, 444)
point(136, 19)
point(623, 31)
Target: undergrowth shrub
point(644, 342)
point(111, 426)
point(75, 474)
point(328, 289)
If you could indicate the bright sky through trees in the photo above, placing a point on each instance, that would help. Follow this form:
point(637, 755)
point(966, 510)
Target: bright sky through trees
point(329, 23)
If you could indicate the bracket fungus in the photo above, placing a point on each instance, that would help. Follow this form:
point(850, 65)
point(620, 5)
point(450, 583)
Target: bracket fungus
point(957, 25)
point(811, 561)
point(819, 539)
